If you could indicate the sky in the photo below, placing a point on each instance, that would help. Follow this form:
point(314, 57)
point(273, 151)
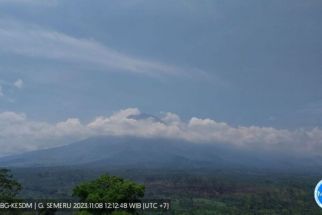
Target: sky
point(242, 72)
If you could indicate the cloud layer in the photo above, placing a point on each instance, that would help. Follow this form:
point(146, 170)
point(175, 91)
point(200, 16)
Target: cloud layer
point(35, 42)
point(18, 133)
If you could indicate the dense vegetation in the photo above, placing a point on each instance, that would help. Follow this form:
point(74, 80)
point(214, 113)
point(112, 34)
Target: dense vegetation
point(9, 187)
point(109, 189)
point(193, 191)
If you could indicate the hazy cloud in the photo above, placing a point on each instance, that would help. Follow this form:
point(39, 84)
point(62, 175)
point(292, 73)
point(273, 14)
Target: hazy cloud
point(18, 133)
point(30, 2)
point(18, 83)
point(33, 41)
point(1, 92)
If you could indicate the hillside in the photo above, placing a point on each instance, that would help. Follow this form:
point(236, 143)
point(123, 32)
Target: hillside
point(134, 152)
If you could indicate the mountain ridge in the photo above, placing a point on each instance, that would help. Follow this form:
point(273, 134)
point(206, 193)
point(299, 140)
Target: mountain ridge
point(137, 152)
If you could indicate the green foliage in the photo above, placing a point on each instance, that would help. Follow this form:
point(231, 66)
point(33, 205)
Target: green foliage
point(110, 189)
point(193, 192)
point(9, 188)
point(120, 213)
point(112, 213)
point(83, 213)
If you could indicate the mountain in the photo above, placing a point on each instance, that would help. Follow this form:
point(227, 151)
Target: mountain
point(135, 152)
point(145, 116)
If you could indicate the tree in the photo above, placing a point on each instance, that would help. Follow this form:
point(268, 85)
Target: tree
point(109, 189)
point(9, 188)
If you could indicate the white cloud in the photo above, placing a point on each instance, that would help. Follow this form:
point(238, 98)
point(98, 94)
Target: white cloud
point(18, 83)
point(33, 41)
point(18, 133)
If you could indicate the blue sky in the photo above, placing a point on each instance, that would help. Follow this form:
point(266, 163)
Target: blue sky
point(244, 63)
